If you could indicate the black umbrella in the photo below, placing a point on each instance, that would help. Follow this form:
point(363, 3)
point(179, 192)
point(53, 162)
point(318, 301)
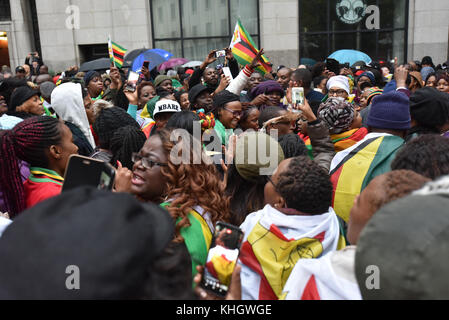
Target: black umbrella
point(132, 55)
point(99, 64)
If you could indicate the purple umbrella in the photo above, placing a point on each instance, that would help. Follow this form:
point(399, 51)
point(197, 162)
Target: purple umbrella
point(174, 62)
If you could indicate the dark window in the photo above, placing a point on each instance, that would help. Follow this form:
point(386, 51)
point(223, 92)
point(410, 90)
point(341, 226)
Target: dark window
point(92, 52)
point(202, 26)
point(326, 26)
point(5, 10)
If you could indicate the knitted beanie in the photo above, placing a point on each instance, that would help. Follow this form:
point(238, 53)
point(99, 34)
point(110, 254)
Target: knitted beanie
point(267, 87)
point(109, 121)
point(426, 71)
point(89, 76)
point(429, 107)
point(369, 75)
point(160, 79)
point(390, 111)
point(373, 92)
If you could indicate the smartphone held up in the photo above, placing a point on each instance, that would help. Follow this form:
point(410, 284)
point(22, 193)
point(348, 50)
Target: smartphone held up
point(222, 258)
point(82, 171)
point(298, 98)
point(133, 78)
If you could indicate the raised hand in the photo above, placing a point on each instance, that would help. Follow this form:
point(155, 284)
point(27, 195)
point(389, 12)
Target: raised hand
point(131, 96)
point(116, 79)
point(306, 111)
point(123, 179)
point(257, 59)
point(400, 75)
point(211, 58)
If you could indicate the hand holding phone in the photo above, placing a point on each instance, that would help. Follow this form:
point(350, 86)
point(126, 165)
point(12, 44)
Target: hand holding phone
point(220, 53)
point(227, 72)
point(132, 81)
point(83, 171)
point(222, 259)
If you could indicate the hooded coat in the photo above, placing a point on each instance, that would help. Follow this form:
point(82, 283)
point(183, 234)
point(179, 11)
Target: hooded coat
point(67, 101)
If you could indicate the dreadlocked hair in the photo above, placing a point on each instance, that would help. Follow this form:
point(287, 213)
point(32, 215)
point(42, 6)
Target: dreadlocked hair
point(191, 185)
point(124, 143)
point(28, 141)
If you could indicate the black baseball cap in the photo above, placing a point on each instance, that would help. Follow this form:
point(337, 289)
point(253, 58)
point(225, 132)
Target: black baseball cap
point(20, 69)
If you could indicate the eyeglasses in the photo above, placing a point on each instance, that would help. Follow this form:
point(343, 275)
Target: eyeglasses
point(271, 181)
point(337, 92)
point(236, 114)
point(146, 163)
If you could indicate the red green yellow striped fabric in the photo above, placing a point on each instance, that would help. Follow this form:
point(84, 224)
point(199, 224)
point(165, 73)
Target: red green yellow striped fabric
point(197, 237)
point(347, 139)
point(368, 160)
point(116, 54)
point(341, 141)
point(245, 50)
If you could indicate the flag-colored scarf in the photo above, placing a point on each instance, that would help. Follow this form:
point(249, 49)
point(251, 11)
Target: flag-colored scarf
point(331, 277)
point(341, 141)
point(274, 242)
point(197, 237)
point(347, 139)
point(354, 168)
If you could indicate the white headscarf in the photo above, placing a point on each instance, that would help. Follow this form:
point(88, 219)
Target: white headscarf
point(341, 82)
point(67, 101)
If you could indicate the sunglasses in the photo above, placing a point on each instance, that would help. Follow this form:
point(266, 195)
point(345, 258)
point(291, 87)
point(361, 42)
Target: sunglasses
point(146, 163)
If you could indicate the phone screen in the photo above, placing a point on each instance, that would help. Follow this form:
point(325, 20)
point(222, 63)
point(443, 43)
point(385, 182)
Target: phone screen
point(222, 258)
point(220, 53)
point(227, 72)
point(82, 171)
point(132, 81)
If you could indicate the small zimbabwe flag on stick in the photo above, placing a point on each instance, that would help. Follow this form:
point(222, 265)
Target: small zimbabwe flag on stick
point(245, 50)
point(116, 53)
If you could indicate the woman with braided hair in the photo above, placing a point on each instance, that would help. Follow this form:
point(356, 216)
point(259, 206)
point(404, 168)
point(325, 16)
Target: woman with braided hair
point(45, 144)
point(124, 143)
point(191, 193)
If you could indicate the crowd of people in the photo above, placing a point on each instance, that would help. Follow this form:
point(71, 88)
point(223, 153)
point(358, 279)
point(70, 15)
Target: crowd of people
point(354, 177)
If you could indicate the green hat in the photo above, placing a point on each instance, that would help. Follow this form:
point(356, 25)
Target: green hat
point(257, 154)
point(149, 108)
point(160, 79)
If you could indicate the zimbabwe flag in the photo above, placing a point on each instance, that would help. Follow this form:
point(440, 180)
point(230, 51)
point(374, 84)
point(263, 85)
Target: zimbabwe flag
point(116, 53)
point(245, 50)
point(197, 236)
point(354, 168)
